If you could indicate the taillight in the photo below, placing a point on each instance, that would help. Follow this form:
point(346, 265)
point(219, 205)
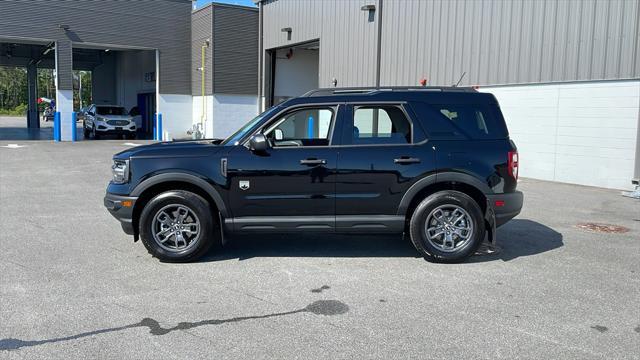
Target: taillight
point(512, 164)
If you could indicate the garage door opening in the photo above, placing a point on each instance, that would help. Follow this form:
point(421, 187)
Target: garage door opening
point(125, 80)
point(26, 74)
point(294, 71)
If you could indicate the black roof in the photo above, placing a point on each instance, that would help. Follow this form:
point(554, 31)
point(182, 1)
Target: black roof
point(424, 94)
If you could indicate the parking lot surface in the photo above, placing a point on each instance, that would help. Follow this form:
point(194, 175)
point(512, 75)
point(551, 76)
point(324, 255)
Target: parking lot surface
point(73, 285)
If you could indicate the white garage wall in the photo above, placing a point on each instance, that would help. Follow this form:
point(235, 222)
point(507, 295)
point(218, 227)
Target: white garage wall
point(225, 113)
point(197, 112)
point(296, 75)
point(230, 112)
point(132, 66)
point(176, 114)
point(582, 133)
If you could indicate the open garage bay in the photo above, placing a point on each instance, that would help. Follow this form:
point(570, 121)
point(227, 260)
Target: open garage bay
point(74, 286)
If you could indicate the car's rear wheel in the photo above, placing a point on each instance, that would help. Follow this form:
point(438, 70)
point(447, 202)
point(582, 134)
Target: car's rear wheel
point(447, 226)
point(178, 226)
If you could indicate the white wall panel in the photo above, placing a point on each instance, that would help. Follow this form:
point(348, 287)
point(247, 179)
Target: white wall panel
point(208, 109)
point(230, 112)
point(583, 133)
point(176, 114)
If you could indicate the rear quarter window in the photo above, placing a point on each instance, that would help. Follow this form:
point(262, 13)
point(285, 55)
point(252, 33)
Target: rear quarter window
point(460, 121)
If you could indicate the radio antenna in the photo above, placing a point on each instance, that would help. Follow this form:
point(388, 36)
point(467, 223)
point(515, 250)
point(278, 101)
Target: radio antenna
point(461, 77)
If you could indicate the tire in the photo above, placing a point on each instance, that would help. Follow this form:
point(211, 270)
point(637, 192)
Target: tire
point(85, 132)
point(132, 136)
point(447, 205)
point(199, 211)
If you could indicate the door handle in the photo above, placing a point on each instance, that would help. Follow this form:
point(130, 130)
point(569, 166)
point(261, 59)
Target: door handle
point(406, 160)
point(313, 162)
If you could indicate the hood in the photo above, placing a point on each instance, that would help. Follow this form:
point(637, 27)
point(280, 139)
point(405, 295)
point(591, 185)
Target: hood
point(115, 117)
point(185, 148)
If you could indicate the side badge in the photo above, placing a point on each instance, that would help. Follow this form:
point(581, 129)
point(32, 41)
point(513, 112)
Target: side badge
point(244, 185)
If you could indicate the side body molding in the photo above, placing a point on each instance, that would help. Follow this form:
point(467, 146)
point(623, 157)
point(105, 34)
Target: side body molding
point(436, 178)
point(183, 177)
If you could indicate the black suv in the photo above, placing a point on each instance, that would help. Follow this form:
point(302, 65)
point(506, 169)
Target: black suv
point(434, 163)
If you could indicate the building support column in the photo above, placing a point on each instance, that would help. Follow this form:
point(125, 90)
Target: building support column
point(33, 120)
point(64, 89)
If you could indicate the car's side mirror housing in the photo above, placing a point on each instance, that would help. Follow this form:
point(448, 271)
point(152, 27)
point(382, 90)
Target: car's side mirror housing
point(258, 142)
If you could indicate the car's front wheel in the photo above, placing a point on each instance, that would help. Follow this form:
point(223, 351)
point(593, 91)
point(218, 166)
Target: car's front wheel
point(447, 226)
point(94, 133)
point(85, 131)
point(178, 226)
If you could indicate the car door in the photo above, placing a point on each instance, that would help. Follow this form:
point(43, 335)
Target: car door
point(90, 116)
point(383, 152)
point(291, 185)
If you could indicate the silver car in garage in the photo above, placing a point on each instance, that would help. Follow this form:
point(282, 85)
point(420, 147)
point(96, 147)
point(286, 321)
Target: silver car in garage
point(106, 120)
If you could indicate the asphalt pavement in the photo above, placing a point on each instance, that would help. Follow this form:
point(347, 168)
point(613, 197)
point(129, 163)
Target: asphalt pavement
point(73, 285)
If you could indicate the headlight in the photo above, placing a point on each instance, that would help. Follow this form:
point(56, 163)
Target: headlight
point(120, 171)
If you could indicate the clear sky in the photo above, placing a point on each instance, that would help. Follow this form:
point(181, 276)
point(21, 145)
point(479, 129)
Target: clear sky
point(201, 3)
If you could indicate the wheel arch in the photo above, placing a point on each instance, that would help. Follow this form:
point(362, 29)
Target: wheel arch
point(430, 184)
point(149, 188)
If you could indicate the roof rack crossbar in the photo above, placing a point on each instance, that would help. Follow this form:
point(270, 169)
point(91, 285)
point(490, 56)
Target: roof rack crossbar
point(371, 90)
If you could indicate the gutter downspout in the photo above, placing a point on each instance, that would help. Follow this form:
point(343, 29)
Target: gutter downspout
point(260, 57)
point(379, 45)
point(203, 117)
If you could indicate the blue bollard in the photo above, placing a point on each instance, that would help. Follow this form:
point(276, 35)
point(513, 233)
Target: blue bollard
point(56, 126)
point(159, 127)
point(74, 129)
point(155, 126)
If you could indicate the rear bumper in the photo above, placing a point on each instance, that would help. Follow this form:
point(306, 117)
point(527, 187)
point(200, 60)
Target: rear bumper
point(505, 206)
point(121, 207)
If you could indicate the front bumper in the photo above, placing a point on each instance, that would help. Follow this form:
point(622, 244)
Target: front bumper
point(112, 129)
point(121, 207)
point(505, 206)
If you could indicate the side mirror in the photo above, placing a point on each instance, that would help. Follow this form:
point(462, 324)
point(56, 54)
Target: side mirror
point(258, 142)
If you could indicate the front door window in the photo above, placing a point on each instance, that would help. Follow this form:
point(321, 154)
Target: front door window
point(305, 127)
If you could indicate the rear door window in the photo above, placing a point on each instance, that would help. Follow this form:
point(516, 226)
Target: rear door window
point(380, 124)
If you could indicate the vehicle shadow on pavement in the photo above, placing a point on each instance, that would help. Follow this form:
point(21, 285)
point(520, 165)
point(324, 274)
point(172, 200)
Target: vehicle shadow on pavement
point(522, 237)
point(313, 245)
point(518, 238)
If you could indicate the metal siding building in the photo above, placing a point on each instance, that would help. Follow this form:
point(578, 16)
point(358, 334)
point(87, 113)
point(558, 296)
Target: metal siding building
point(148, 40)
point(142, 24)
point(231, 67)
point(558, 68)
point(509, 42)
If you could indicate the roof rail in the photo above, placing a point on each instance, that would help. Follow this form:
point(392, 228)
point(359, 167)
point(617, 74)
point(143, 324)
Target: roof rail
point(372, 90)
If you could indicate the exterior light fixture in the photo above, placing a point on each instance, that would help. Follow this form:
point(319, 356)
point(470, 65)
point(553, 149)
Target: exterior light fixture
point(288, 31)
point(371, 9)
point(63, 27)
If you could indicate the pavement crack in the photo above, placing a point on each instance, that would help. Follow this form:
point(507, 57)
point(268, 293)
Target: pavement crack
point(320, 289)
point(321, 307)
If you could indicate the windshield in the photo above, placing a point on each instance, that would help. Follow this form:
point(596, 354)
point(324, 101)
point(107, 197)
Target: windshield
point(110, 110)
point(248, 127)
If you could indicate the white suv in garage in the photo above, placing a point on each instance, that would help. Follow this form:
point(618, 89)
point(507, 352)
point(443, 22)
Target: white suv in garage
point(108, 119)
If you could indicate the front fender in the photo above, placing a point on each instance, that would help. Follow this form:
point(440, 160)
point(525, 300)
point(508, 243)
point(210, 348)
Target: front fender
point(183, 177)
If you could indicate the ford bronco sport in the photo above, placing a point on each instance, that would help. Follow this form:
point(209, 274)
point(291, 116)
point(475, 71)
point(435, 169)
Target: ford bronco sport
point(435, 164)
